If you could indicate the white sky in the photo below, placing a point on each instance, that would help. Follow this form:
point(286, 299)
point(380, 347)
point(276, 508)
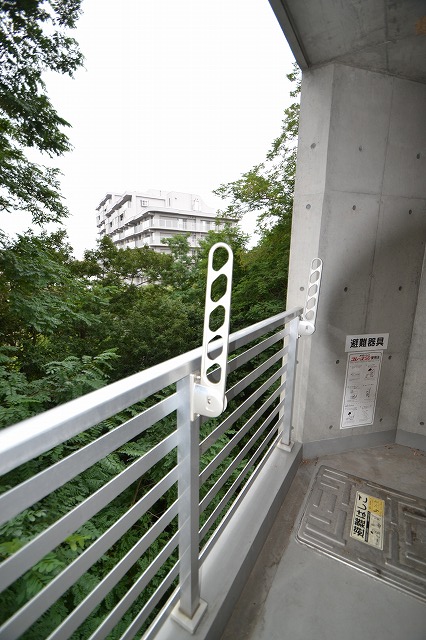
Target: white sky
point(176, 94)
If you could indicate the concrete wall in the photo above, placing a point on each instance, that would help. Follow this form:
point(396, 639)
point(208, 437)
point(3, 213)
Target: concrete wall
point(412, 416)
point(360, 205)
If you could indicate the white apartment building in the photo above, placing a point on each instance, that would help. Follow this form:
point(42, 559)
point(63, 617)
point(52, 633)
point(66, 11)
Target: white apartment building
point(134, 219)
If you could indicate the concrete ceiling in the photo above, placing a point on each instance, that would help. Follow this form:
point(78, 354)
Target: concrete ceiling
point(380, 35)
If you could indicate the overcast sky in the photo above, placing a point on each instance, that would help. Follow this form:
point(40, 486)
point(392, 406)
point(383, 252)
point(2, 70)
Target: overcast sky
point(176, 94)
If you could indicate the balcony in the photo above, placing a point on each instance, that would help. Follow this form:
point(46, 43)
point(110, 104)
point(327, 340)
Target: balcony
point(182, 225)
point(220, 485)
point(300, 592)
point(203, 470)
point(204, 494)
point(172, 224)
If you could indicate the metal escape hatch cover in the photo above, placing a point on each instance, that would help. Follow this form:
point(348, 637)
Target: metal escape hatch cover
point(376, 530)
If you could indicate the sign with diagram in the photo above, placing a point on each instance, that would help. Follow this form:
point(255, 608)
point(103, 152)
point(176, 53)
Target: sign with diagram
point(368, 520)
point(361, 385)
point(366, 342)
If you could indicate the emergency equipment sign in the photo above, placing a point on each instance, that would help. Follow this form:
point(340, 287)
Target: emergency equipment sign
point(366, 342)
point(361, 385)
point(368, 520)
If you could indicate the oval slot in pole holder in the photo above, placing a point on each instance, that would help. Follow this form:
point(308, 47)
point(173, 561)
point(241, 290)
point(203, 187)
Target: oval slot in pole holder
point(209, 389)
point(307, 324)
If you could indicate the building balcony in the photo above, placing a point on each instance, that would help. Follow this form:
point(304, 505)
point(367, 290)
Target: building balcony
point(224, 483)
point(261, 523)
point(303, 590)
point(256, 405)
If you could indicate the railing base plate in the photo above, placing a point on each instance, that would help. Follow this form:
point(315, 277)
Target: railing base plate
point(189, 624)
point(285, 447)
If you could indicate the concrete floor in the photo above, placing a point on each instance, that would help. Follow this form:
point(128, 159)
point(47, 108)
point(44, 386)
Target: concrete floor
point(296, 593)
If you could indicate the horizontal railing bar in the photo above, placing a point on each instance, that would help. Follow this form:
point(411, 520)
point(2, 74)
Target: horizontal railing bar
point(143, 614)
point(25, 558)
point(213, 516)
point(37, 435)
point(251, 353)
point(253, 375)
point(95, 597)
point(281, 334)
point(34, 436)
point(213, 464)
point(235, 462)
point(205, 550)
point(224, 477)
point(27, 493)
point(135, 590)
point(25, 440)
point(253, 332)
point(229, 421)
point(59, 585)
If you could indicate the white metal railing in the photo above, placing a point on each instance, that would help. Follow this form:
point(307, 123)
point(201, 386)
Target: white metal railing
point(175, 223)
point(195, 468)
point(183, 225)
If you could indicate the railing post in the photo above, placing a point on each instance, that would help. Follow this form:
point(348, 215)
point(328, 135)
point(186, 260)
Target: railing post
point(287, 416)
point(190, 608)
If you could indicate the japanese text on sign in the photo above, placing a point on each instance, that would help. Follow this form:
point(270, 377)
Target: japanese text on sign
point(369, 341)
point(361, 385)
point(368, 520)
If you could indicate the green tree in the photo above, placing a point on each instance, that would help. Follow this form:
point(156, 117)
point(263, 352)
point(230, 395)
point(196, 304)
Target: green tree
point(70, 326)
point(61, 381)
point(145, 324)
point(46, 312)
point(260, 292)
point(33, 39)
point(113, 266)
point(266, 189)
point(38, 292)
point(156, 327)
point(181, 271)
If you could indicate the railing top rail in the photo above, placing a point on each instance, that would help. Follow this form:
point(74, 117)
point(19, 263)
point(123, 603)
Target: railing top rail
point(29, 438)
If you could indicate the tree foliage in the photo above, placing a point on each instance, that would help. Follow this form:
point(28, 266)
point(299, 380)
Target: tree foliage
point(33, 39)
point(141, 306)
point(69, 326)
point(267, 188)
